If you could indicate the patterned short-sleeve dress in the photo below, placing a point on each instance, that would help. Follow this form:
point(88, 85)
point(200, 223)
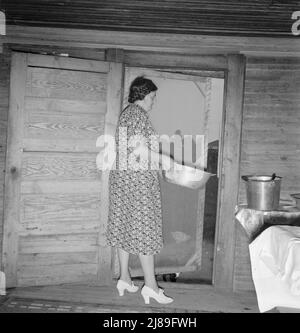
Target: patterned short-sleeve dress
point(135, 211)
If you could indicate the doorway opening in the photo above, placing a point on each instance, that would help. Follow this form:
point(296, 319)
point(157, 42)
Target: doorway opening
point(187, 103)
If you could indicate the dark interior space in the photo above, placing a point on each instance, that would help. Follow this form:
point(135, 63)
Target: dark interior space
point(204, 274)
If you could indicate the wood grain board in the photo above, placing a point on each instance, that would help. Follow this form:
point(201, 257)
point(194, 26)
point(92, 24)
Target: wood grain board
point(186, 44)
point(54, 197)
point(13, 165)
point(4, 105)
point(188, 298)
point(114, 104)
point(66, 84)
point(229, 172)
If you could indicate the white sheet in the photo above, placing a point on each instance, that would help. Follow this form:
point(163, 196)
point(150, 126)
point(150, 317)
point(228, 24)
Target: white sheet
point(2, 284)
point(275, 264)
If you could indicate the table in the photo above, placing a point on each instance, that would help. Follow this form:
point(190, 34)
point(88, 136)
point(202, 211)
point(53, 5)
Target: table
point(254, 222)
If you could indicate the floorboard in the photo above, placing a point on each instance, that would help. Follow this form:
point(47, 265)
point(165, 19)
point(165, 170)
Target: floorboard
point(187, 298)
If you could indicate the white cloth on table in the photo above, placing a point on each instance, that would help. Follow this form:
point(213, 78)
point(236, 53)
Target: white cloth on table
point(275, 264)
point(251, 220)
point(2, 284)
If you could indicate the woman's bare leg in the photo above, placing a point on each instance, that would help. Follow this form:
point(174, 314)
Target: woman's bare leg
point(147, 262)
point(124, 271)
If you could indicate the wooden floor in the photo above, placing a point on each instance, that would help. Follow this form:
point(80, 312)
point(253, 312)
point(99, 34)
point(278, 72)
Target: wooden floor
point(187, 298)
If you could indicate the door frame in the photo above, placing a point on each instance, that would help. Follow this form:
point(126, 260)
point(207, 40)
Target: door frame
point(232, 67)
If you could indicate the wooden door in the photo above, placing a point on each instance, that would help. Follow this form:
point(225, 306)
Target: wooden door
point(55, 198)
point(183, 208)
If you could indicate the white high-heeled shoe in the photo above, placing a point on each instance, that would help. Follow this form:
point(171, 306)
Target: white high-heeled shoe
point(160, 297)
point(122, 286)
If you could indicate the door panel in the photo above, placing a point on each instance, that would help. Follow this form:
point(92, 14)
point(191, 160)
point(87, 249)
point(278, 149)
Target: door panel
point(53, 124)
point(66, 84)
point(53, 191)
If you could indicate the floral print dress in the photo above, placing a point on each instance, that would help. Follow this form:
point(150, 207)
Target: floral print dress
point(135, 211)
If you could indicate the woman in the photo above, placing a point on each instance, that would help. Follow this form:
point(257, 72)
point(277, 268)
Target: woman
point(135, 213)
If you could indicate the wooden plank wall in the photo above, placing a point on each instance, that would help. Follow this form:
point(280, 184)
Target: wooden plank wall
point(270, 138)
point(4, 95)
point(260, 17)
point(270, 134)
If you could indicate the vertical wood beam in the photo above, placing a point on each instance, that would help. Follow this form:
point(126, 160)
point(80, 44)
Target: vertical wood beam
point(13, 167)
point(229, 173)
point(115, 55)
point(114, 103)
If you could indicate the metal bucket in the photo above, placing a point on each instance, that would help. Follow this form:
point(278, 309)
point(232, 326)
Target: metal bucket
point(296, 197)
point(263, 192)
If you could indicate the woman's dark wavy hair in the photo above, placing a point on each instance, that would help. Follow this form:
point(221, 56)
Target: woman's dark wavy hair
point(139, 88)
